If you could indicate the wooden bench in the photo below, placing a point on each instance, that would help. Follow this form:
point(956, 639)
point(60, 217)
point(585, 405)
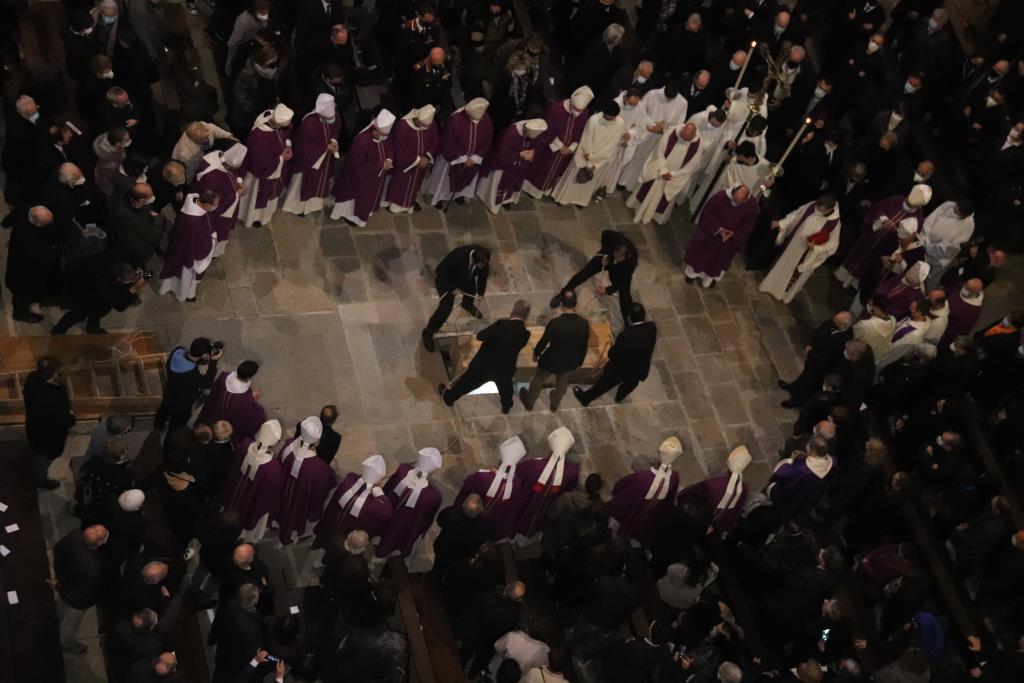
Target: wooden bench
point(421, 668)
point(437, 629)
point(980, 444)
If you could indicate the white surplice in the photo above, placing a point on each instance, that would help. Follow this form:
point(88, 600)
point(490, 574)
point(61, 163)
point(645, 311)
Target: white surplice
point(799, 255)
point(597, 147)
point(944, 233)
point(636, 122)
point(657, 165)
point(657, 109)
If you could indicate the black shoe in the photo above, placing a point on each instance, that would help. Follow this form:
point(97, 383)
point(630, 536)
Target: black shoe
point(441, 389)
point(689, 280)
point(439, 206)
point(190, 300)
point(460, 200)
point(784, 385)
point(257, 224)
point(713, 283)
point(29, 317)
point(578, 393)
point(428, 341)
point(556, 300)
point(473, 310)
point(416, 207)
point(524, 398)
point(789, 403)
point(49, 484)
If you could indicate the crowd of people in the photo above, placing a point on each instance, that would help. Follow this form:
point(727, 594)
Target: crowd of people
point(798, 135)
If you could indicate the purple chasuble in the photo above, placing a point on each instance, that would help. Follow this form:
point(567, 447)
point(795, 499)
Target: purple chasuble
point(258, 496)
point(262, 160)
point(706, 252)
point(410, 143)
point(537, 498)
point(242, 412)
point(311, 140)
point(898, 294)
point(372, 519)
point(223, 182)
point(505, 158)
point(797, 489)
point(871, 245)
point(636, 515)
point(408, 524)
point(714, 489)
point(547, 166)
point(190, 240)
point(363, 175)
point(962, 316)
point(464, 137)
point(302, 499)
point(501, 513)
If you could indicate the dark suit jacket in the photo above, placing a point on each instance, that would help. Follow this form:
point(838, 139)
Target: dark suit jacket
point(620, 273)
point(697, 101)
point(827, 344)
point(238, 635)
point(563, 346)
point(79, 571)
point(502, 342)
point(456, 272)
point(313, 21)
point(631, 354)
point(623, 80)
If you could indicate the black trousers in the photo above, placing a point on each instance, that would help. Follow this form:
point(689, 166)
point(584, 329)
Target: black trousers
point(20, 304)
point(77, 315)
point(444, 309)
point(594, 266)
point(471, 379)
point(809, 382)
point(171, 415)
point(610, 378)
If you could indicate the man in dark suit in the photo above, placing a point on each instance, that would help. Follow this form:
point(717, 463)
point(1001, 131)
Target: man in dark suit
point(330, 440)
point(315, 18)
point(25, 130)
point(48, 416)
point(640, 77)
point(237, 632)
point(561, 349)
point(822, 354)
point(80, 573)
point(134, 638)
point(697, 91)
point(618, 256)
point(496, 359)
point(629, 360)
point(463, 530)
point(464, 269)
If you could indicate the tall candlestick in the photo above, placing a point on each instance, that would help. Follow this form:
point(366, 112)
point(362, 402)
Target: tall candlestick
point(792, 143)
point(743, 69)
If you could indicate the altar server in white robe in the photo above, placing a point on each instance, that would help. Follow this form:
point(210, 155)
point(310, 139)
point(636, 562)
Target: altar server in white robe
point(635, 119)
point(875, 330)
point(746, 167)
point(738, 106)
point(711, 128)
point(812, 233)
point(668, 171)
point(909, 333)
point(597, 147)
point(946, 229)
point(664, 108)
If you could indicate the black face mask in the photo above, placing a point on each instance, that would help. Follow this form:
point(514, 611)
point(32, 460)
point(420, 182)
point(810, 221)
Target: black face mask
point(791, 64)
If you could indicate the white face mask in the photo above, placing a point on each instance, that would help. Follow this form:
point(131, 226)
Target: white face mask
point(109, 19)
point(939, 442)
point(918, 178)
point(1007, 322)
point(895, 118)
point(265, 72)
point(733, 66)
point(519, 72)
point(933, 26)
point(85, 32)
point(262, 18)
point(641, 79)
point(106, 75)
point(846, 355)
point(909, 87)
point(79, 182)
point(990, 102)
point(966, 294)
point(33, 117)
point(1020, 350)
point(127, 143)
point(873, 47)
point(819, 93)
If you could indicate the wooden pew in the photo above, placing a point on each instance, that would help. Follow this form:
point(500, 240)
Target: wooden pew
point(29, 640)
point(445, 664)
point(421, 668)
point(736, 597)
point(980, 443)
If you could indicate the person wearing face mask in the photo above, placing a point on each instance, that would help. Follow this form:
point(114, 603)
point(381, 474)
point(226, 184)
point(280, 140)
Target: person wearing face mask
point(81, 578)
point(582, 177)
point(501, 181)
point(417, 144)
point(431, 81)
point(516, 92)
point(876, 325)
point(79, 47)
point(723, 228)
point(72, 204)
point(664, 109)
point(416, 37)
point(488, 24)
point(634, 119)
point(257, 88)
point(131, 171)
point(985, 122)
point(565, 123)
point(316, 154)
point(100, 77)
point(368, 165)
point(929, 44)
point(901, 290)
point(254, 18)
point(308, 482)
point(879, 235)
point(190, 246)
point(315, 18)
point(169, 183)
point(220, 172)
point(811, 235)
point(899, 275)
point(639, 77)
point(34, 255)
point(136, 228)
point(416, 502)
point(465, 139)
point(334, 46)
point(910, 332)
point(26, 131)
point(358, 502)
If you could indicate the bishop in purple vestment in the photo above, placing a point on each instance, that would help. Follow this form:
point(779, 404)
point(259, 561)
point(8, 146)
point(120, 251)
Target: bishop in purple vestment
point(725, 492)
point(364, 175)
point(232, 398)
point(878, 234)
point(266, 165)
point(217, 171)
point(499, 489)
point(723, 228)
point(543, 479)
point(901, 290)
point(638, 499)
point(465, 141)
point(964, 309)
point(312, 166)
point(254, 481)
point(190, 246)
point(505, 168)
point(308, 482)
point(357, 503)
point(555, 147)
point(416, 503)
point(417, 144)
point(797, 484)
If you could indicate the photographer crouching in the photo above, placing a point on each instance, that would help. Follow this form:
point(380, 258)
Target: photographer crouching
point(96, 285)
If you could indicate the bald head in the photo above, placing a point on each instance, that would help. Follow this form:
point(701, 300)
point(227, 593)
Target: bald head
point(825, 429)
point(165, 664)
point(842, 320)
point(357, 542)
point(515, 590)
point(797, 53)
point(243, 555)
point(25, 106)
point(925, 169)
point(645, 68)
point(69, 174)
point(997, 258)
point(473, 505)
point(40, 216)
point(688, 132)
point(741, 194)
point(154, 572)
point(739, 57)
point(95, 535)
point(437, 56)
point(855, 350)
point(974, 285)
point(141, 195)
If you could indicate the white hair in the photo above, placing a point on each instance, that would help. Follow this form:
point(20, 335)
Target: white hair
point(21, 104)
point(613, 34)
point(729, 673)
